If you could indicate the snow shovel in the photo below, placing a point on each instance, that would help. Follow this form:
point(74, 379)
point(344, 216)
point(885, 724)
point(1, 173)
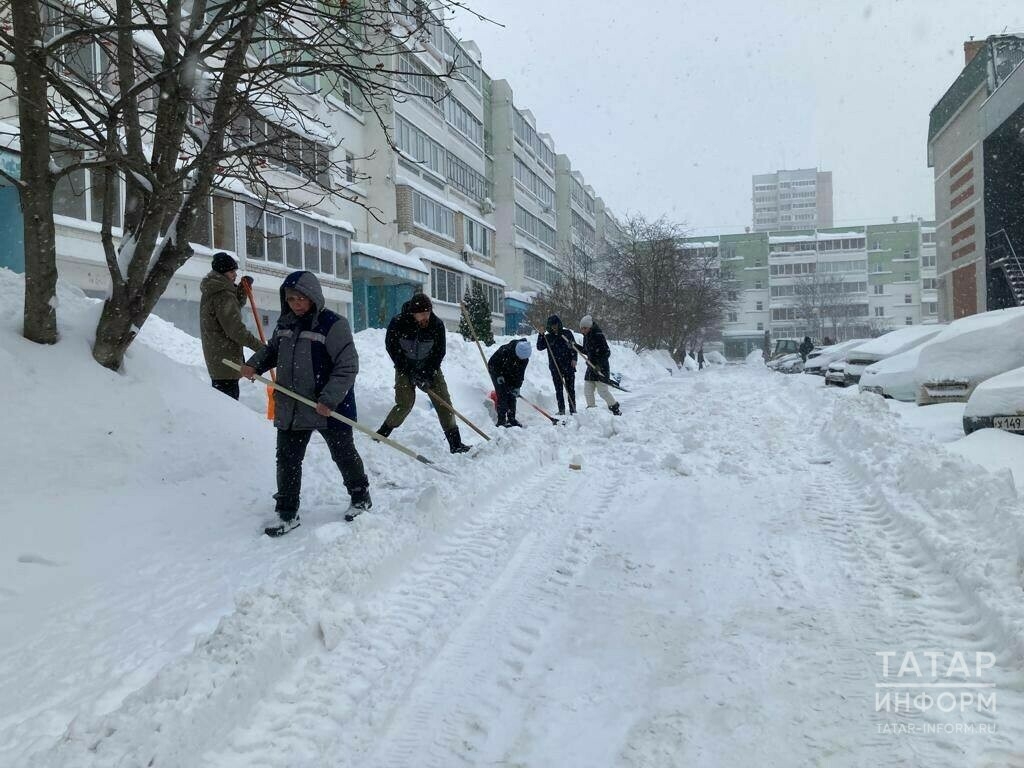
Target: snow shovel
point(541, 411)
point(263, 337)
point(604, 379)
point(345, 420)
point(448, 406)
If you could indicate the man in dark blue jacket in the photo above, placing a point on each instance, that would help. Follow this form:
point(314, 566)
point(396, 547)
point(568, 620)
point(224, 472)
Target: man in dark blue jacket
point(508, 369)
point(315, 356)
point(417, 344)
point(562, 357)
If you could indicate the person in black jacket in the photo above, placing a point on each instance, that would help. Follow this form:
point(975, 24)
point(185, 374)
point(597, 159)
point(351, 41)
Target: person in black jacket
point(595, 347)
point(416, 343)
point(562, 357)
point(805, 348)
point(508, 369)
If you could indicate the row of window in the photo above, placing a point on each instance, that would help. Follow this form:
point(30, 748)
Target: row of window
point(466, 179)
point(797, 313)
point(296, 244)
point(580, 196)
point(528, 135)
point(534, 227)
point(537, 269)
point(431, 215)
point(421, 80)
point(419, 145)
point(803, 268)
point(781, 291)
point(857, 265)
point(463, 121)
point(533, 183)
point(477, 236)
point(584, 228)
point(446, 285)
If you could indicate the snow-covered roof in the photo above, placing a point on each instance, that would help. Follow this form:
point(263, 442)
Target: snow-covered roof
point(896, 341)
point(975, 348)
point(10, 136)
point(390, 256)
point(702, 244)
point(791, 239)
point(526, 297)
point(449, 262)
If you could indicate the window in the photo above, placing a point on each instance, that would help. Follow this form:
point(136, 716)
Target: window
point(536, 268)
point(758, 285)
point(878, 268)
point(906, 253)
point(466, 179)
point(477, 237)
point(583, 228)
point(275, 237)
point(534, 227)
point(732, 317)
point(342, 255)
point(255, 239)
point(927, 259)
point(907, 277)
point(79, 194)
point(733, 295)
point(760, 326)
point(879, 311)
point(419, 146)
point(528, 137)
point(311, 247)
point(293, 243)
point(433, 216)
point(910, 320)
point(445, 285)
point(908, 298)
point(87, 61)
point(341, 89)
point(929, 283)
point(759, 306)
point(285, 150)
point(533, 183)
point(420, 80)
point(350, 168)
point(494, 295)
point(879, 290)
point(464, 121)
point(933, 307)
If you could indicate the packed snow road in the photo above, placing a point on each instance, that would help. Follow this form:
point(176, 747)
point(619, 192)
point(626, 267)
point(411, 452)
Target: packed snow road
point(717, 586)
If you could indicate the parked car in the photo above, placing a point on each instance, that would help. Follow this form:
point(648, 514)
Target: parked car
point(817, 364)
point(892, 343)
point(835, 376)
point(792, 363)
point(967, 352)
point(893, 377)
point(997, 402)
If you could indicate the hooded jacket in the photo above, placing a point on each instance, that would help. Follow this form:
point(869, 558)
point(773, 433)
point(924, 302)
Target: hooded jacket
point(315, 357)
point(220, 325)
point(414, 349)
point(595, 346)
point(507, 364)
point(562, 345)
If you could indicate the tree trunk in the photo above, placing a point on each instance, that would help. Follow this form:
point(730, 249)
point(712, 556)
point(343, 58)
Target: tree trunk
point(114, 334)
point(37, 182)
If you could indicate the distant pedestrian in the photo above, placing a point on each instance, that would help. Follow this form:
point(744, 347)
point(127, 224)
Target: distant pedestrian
point(507, 367)
point(805, 348)
point(221, 329)
point(315, 357)
point(595, 347)
point(417, 343)
point(562, 359)
point(700, 358)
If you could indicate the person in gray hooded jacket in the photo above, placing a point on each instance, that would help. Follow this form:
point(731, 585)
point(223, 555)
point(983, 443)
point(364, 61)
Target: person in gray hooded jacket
point(315, 356)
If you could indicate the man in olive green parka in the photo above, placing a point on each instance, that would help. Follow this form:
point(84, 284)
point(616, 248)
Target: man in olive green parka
point(220, 323)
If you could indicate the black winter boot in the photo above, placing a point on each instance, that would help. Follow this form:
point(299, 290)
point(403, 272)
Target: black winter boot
point(385, 430)
point(614, 408)
point(455, 444)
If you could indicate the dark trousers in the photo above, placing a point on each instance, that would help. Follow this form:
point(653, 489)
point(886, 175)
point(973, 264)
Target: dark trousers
point(291, 450)
point(228, 386)
point(506, 405)
point(570, 387)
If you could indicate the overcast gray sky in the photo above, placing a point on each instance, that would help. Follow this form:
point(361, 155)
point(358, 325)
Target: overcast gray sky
point(669, 106)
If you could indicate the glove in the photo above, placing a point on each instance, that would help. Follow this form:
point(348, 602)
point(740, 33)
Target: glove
point(500, 380)
point(422, 380)
point(515, 392)
point(247, 279)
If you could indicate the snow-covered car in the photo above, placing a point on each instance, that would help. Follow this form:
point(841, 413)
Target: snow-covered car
point(818, 364)
point(835, 376)
point(889, 345)
point(997, 402)
point(893, 377)
point(967, 352)
point(792, 363)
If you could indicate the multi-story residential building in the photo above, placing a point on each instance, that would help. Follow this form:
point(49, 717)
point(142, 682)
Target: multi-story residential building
point(433, 185)
point(879, 277)
point(970, 136)
point(576, 209)
point(525, 190)
point(788, 200)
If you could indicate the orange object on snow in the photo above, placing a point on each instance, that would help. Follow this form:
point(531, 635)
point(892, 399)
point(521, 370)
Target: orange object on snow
point(263, 337)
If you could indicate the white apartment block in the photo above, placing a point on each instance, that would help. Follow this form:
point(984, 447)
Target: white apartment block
point(788, 200)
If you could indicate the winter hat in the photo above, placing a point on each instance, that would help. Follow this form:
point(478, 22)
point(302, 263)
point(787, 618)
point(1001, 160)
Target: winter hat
point(587, 322)
point(222, 262)
point(420, 303)
point(554, 320)
point(524, 349)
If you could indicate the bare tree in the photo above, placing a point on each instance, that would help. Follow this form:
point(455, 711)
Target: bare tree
point(179, 97)
point(575, 294)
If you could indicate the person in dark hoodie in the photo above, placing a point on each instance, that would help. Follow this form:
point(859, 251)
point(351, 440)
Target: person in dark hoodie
point(416, 342)
point(315, 356)
point(562, 358)
point(220, 323)
point(508, 369)
point(595, 347)
point(805, 348)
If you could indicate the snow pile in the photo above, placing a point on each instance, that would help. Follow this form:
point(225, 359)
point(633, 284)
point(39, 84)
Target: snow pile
point(995, 449)
point(756, 357)
point(690, 364)
point(895, 376)
point(715, 358)
point(893, 343)
point(974, 348)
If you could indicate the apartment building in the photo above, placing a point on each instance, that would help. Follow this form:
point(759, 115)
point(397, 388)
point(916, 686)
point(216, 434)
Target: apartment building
point(788, 200)
point(974, 132)
point(874, 278)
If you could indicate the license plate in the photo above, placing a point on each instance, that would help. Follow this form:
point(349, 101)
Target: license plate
point(1009, 423)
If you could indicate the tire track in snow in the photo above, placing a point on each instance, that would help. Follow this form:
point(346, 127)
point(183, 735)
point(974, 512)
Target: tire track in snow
point(331, 707)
